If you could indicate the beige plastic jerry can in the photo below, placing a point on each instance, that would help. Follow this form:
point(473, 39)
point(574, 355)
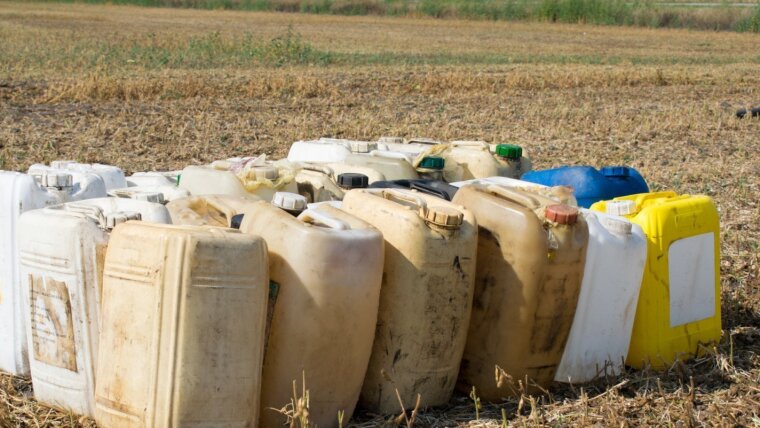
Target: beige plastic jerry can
point(320, 183)
point(210, 210)
point(531, 255)
point(325, 267)
point(182, 327)
point(425, 298)
point(240, 177)
point(475, 159)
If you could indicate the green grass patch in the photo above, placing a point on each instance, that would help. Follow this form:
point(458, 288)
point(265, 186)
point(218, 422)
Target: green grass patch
point(647, 13)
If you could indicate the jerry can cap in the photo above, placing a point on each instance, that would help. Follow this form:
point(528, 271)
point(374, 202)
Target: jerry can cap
point(114, 219)
point(621, 208)
point(615, 171)
point(362, 146)
point(289, 201)
point(58, 180)
point(265, 172)
point(509, 151)
point(444, 216)
point(562, 214)
point(352, 180)
point(431, 162)
point(618, 226)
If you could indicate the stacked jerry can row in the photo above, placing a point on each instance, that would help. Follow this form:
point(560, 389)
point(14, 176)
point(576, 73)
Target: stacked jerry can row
point(400, 286)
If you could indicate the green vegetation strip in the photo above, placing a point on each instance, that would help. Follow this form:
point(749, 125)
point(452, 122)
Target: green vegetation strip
point(212, 50)
point(605, 12)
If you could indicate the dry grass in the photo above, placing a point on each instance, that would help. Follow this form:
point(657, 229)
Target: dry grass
point(670, 117)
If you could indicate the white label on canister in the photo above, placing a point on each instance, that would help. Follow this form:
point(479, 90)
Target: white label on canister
point(691, 267)
point(52, 327)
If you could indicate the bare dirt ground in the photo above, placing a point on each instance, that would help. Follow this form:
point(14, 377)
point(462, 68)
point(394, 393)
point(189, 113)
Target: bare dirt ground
point(161, 88)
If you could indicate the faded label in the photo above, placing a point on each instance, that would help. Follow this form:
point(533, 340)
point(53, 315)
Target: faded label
point(52, 326)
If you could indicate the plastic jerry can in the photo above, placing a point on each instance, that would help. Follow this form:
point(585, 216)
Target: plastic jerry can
point(62, 251)
point(531, 254)
point(679, 302)
point(258, 180)
point(437, 188)
point(390, 166)
point(327, 266)
point(20, 193)
point(182, 327)
point(210, 210)
point(319, 182)
point(159, 194)
point(476, 160)
point(411, 147)
point(601, 331)
point(154, 178)
point(425, 297)
point(561, 194)
point(592, 185)
point(327, 150)
point(112, 176)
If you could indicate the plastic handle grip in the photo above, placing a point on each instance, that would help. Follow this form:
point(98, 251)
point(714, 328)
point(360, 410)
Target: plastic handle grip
point(653, 195)
point(315, 217)
point(392, 194)
point(514, 196)
point(91, 211)
point(318, 168)
point(390, 155)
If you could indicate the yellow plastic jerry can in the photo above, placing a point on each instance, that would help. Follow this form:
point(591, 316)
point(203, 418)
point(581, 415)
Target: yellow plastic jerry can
point(679, 302)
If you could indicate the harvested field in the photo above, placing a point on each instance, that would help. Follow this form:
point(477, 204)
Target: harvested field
point(161, 88)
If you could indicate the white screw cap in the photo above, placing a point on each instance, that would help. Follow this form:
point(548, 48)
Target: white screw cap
point(621, 208)
point(58, 180)
point(265, 172)
point(289, 201)
point(618, 226)
point(362, 146)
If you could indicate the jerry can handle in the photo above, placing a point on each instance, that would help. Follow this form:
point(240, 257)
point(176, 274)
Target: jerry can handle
point(514, 196)
point(479, 144)
point(318, 168)
point(223, 211)
point(641, 197)
point(91, 211)
point(390, 155)
point(392, 194)
point(315, 217)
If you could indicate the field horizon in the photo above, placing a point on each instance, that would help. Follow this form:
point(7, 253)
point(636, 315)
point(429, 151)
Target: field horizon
point(159, 88)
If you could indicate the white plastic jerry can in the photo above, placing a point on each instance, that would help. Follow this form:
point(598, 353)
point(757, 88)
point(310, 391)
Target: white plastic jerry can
point(601, 331)
point(327, 150)
point(154, 178)
point(20, 193)
point(112, 176)
point(476, 160)
point(182, 327)
point(61, 252)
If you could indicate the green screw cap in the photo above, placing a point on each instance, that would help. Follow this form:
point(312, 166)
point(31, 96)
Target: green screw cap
point(509, 151)
point(431, 162)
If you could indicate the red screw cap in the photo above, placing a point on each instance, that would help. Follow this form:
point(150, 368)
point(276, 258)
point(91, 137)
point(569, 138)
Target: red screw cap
point(562, 214)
